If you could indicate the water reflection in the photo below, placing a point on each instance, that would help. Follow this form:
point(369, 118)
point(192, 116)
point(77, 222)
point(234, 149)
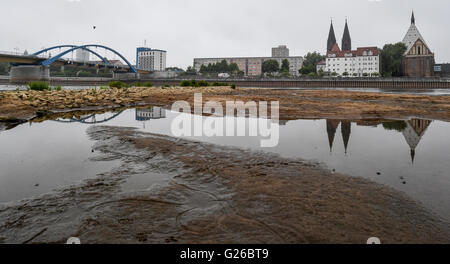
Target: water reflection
point(380, 150)
point(413, 130)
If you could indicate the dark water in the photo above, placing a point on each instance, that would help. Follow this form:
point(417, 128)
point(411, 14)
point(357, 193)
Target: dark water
point(411, 156)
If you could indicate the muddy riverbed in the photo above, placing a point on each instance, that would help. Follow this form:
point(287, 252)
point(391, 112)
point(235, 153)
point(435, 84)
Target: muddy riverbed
point(361, 165)
point(120, 177)
point(294, 104)
point(171, 190)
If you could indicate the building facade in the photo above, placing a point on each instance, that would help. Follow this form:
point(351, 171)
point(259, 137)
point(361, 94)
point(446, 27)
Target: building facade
point(364, 61)
point(442, 70)
point(280, 52)
point(151, 59)
point(82, 55)
point(418, 60)
point(252, 66)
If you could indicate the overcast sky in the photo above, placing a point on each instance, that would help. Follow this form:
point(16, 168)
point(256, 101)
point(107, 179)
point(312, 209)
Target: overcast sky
point(213, 28)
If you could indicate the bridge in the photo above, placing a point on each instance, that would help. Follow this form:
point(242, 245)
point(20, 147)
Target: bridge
point(36, 66)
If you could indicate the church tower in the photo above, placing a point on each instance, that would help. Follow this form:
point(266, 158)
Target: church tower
point(346, 39)
point(418, 60)
point(331, 38)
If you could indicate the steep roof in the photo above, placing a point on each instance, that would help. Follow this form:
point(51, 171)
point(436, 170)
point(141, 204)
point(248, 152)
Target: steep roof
point(331, 37)
point(346, 39)
point(412, 36)
point(354, 53)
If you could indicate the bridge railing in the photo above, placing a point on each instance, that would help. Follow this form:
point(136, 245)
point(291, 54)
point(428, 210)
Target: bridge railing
point(11, 53)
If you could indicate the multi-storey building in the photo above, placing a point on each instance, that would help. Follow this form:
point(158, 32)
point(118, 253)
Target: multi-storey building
point(151, 59)
point(252, 66)
point(82, 55)
point(363, 61)
point(280, 52)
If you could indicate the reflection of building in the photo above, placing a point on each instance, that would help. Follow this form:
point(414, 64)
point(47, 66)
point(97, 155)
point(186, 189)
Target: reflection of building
point(418, 60)
point(145, 114)
point(413, 133)
point(346, 130)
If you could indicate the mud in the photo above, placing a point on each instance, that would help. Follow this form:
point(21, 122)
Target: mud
point(204, 193)
point(294, 104)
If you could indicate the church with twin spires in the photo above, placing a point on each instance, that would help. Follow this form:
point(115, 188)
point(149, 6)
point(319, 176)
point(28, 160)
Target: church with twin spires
point(343, 61)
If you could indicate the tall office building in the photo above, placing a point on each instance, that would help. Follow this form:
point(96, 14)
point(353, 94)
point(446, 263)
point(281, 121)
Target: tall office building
point(151, 59)
point(82, 55)
point(280, 52)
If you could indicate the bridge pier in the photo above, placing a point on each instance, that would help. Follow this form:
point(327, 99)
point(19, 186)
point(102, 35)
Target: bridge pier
point(27, 73)
point(124, 76)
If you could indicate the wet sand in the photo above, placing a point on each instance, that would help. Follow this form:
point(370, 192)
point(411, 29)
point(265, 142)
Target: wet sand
point(202, 193)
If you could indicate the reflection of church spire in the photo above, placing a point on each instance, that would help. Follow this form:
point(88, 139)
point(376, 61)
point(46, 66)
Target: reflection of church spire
point(346, 129)
point(331, 130)
point(413, 133)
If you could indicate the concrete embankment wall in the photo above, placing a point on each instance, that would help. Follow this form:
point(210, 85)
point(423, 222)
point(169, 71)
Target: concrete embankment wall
point(379, 83)
point(334, 83)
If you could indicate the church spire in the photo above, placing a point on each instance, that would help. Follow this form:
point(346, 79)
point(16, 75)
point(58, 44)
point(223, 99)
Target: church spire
point(346, 40)
point(413, 19)
point(331, 38)
point(346, 129)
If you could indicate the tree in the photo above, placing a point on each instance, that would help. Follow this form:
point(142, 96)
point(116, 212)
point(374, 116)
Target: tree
point(4, 68)
point(310, 62)
point(391, 59)
point(307, 69)
point(191, 71)
point(220, 67)
point(270, 66)
point(285, 66)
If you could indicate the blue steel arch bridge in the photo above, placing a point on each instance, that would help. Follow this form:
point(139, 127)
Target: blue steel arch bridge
point(40, 59)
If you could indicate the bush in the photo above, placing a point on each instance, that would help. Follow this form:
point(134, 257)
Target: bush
point(39, 86)
point(185, 84)
point(117, 84)
point(233, 86)
point(57, 88)
point(146, 84)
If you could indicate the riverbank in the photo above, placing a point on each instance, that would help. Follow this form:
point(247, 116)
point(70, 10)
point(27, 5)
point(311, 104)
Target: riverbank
point(18, 106)
point(237, 196)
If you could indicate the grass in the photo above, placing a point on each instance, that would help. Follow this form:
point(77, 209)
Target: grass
point(118, 84)
point(145, 84)
point(39, 86)
point(42, 86)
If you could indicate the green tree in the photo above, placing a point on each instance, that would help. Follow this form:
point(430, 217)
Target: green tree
point(307, 69)
point(270, 66)
point(391, 59)
point(285, 66)
point(310, 62)
point(191, 71)
point(4, 68)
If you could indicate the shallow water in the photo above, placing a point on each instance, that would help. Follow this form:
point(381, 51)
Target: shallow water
point(411, 156)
